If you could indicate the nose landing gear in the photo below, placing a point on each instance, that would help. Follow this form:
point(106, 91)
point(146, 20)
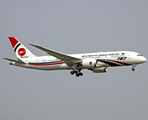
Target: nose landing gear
point(77, 72)
point(133, 67)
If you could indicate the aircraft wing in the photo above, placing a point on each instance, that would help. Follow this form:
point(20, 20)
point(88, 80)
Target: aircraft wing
point(69, 60)
point(14, 60)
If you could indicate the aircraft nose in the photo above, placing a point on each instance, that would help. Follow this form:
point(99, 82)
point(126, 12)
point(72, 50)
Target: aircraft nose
point(141, 59)
point(144, 59)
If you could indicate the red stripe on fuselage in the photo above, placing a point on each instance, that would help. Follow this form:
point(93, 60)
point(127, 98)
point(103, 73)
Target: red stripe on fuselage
point(126, 64)
point(39, 64)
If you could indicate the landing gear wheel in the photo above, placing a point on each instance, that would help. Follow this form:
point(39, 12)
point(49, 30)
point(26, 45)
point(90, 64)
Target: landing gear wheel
point(133, 69)
point(72, 72)
point(81, 74)
point(77, 75)
point(76, 72)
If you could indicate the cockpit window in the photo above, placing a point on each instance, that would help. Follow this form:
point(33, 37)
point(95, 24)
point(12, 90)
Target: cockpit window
point(139, 55)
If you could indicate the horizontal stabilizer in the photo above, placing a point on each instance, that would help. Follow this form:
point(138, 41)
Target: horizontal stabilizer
point(14, 60)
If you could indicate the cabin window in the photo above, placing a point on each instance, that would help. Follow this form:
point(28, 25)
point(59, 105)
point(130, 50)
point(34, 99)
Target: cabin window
point(139, 55)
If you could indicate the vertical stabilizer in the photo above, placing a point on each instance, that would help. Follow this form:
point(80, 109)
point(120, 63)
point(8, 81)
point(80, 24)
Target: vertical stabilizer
point(20, 50)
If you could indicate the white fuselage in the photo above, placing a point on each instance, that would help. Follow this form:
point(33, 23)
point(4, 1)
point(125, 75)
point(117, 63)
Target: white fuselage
point(96, 62)
point(101, 59)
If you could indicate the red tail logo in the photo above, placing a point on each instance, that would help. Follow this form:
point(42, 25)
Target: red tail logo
point(21, 51)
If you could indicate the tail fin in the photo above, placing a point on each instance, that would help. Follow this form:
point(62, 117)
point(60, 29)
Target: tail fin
point(20, 50)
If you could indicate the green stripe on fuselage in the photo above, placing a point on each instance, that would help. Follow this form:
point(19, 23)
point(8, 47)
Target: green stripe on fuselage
point(46, 62)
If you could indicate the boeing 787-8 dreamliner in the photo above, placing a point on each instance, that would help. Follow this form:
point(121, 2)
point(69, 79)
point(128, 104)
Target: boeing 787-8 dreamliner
point(96, 62)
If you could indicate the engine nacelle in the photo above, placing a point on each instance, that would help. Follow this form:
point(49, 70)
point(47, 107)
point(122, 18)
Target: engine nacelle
point(88, 63)
point(100, 70)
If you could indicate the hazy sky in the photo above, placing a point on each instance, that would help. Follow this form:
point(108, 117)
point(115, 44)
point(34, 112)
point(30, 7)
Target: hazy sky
point(74, 26)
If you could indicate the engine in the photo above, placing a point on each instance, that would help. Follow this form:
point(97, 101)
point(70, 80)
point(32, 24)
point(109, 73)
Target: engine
point(93, 65)
point(100, 70)
point(89, 63)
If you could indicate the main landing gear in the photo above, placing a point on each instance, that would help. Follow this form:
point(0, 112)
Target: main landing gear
point(77, 72)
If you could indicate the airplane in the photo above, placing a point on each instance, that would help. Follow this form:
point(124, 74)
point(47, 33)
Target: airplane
point(96, 62)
